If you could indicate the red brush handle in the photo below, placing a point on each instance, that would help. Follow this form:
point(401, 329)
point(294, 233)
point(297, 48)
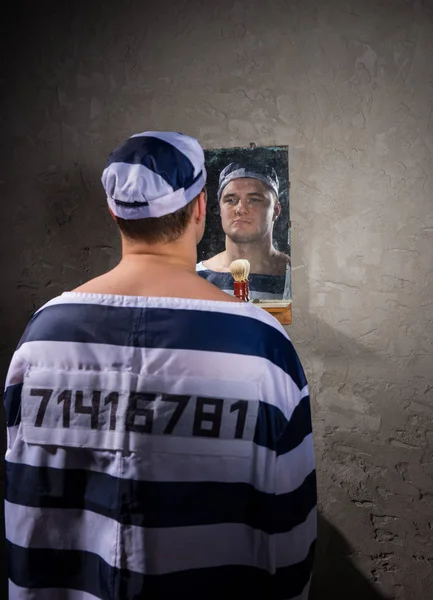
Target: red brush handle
point(242, 290)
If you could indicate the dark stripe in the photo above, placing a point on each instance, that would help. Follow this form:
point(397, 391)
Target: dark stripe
point(270, 426)
point(12, 403)
point(159, 156)
point(297, 428)
point(160, 503)
point(165, 328)
point(267, 284)
point(130, 204)
point(87, 572)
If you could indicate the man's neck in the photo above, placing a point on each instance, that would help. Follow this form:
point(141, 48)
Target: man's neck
point(158, 270)
point(173, 255)
point(259, 254)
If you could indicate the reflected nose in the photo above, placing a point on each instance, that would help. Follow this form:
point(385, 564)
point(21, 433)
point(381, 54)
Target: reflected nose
point(241, 208)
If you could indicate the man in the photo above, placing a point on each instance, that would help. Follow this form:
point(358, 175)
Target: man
point(159, 431)
point(248, 197)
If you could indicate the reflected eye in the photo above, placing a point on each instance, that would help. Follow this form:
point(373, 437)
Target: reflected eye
point(255, 199)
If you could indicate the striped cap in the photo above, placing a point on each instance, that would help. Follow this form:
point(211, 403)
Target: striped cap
point(153, 174)
point(263, 173)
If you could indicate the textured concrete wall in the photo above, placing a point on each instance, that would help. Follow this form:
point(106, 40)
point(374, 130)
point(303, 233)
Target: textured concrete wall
point(349, 86)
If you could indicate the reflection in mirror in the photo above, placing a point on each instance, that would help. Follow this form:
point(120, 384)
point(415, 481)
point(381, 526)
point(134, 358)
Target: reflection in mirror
point(248, 217)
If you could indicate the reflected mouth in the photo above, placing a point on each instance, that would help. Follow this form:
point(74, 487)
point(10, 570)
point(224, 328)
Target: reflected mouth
point(241, 222)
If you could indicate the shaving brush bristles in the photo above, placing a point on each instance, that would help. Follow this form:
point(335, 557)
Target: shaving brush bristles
point(240, 269)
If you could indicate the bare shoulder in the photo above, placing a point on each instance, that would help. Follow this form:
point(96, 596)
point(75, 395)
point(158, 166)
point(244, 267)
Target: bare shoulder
point(94, 286)
point(284, 258)
point(216, 263)
point(168, 283)
point(282, 261)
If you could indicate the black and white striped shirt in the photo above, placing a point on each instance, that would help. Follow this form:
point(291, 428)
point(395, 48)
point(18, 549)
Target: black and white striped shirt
point(157, 448)
point(261, 287)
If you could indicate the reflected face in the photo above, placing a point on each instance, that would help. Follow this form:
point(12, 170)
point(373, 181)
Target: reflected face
point(248, 210)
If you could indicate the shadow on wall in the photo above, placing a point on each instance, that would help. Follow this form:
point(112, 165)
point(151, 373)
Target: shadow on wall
point(342, 415)
point(335, 575)
point(372, 427)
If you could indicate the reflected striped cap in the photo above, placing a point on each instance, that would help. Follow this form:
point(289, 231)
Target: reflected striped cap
point(153, 174)
point(263, 173)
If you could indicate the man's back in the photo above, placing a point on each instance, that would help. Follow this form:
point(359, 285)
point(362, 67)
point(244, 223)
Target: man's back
point(158, 447)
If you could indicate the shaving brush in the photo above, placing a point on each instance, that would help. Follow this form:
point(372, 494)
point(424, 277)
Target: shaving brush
point(240, 269)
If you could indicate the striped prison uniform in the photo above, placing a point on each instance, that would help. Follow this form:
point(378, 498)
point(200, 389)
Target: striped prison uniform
point(157, 448)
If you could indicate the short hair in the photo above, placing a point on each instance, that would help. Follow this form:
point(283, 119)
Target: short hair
point(158, 230)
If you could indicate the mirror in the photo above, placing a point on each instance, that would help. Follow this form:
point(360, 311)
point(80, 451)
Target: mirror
point(249, 217)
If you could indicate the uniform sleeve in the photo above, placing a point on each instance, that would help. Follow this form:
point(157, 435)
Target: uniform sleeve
point(296, 497)
point(12, 395)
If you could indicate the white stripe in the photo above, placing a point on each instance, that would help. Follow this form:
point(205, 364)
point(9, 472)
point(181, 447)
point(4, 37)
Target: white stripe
point(19, 593)
point(294, 466)
point(275, 386)
point(156, 551)
point(246, 309)
point(126, 380)
point(16, 369)
point(155, 186)
point(294, 546)
point(260, 468)
point(12, 433)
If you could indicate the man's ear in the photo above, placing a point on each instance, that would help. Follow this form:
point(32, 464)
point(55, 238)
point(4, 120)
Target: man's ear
point(277, 211)
point(200, 206)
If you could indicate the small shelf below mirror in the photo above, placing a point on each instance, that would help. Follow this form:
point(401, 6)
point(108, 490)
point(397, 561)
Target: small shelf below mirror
point(282, 311)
